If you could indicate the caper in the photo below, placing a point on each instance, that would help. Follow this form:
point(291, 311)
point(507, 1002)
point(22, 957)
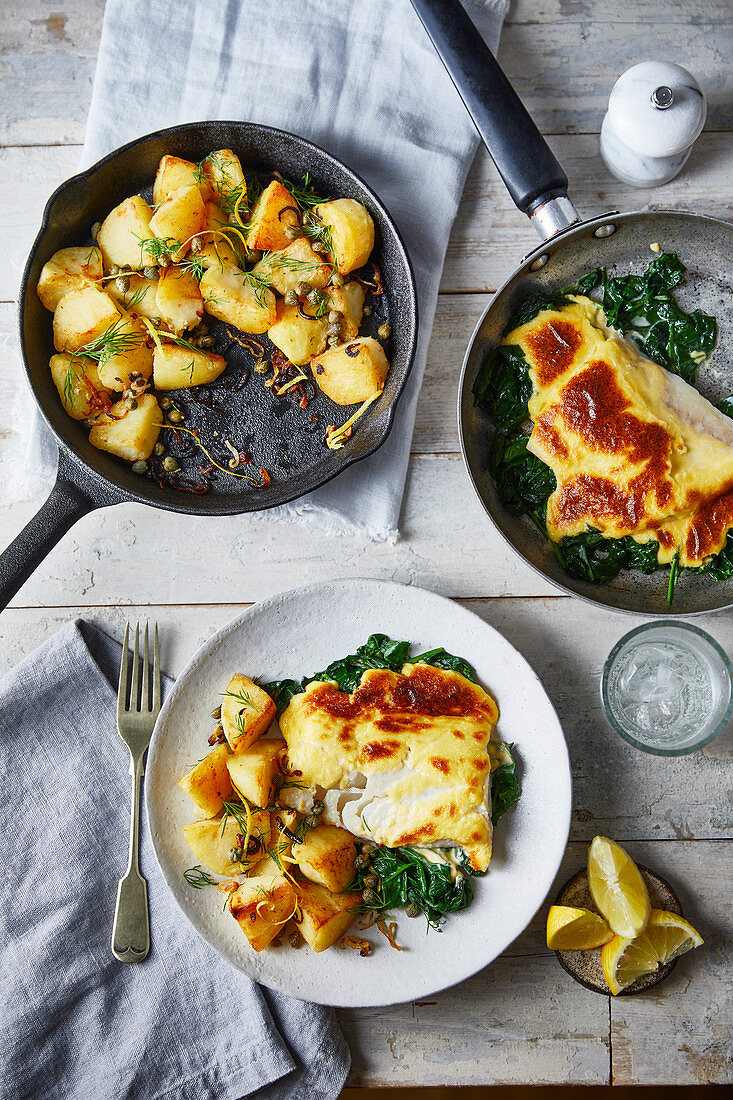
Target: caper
point(384, 331)
point(367, 311)
point(170, 465)
point(197, 244)
point(319, 246)
point(371, 881)
point(336, 279)
point(370, 898)
point(292, 232)
point(333, 329)
point(176, 416)
point(291, 298)
point(253, 845)
point(312, 820)
point(123, 283)
point(165, 402)
point(140, 467)
point(207, 341)
point(302, 288)
point(277, 780)
point(235, 855)
point(261, 366)
point(335, 316)
point(317, 807)
point(412, 910)
point(151, 273)
point(361, 861)
point(114, 269)
point(334, 341)
point(216, 713)
point(159, 449)
point(294, 939)
point(95, 230)
point(164, 261)
point(131, 403)
point(254, 254)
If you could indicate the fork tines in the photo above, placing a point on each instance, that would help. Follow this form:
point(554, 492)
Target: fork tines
point(133, 695)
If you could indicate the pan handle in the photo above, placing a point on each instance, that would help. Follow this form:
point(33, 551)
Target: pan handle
point(533, 176)
point(68, 501)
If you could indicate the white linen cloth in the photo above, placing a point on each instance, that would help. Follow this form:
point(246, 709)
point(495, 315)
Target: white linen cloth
point(358, 77)
point(76, 1023)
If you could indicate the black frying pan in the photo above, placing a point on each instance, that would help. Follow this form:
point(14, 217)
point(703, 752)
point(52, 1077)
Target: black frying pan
point(571, 248)
point(281, 437)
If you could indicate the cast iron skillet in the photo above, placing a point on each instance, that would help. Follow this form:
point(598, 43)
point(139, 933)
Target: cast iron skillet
point(281, 437)
point(573, 247)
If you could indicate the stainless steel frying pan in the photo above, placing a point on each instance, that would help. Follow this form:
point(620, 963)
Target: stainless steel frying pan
point(571, 247)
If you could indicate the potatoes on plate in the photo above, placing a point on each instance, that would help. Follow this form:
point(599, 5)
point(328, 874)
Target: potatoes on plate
point(246, 712)
point(252, 770)
point(216, 842)
point(326, 917)
point(326, 856)
point(261, 906)
point(207, 784)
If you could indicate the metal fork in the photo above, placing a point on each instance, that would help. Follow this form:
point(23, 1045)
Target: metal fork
point(135, 722)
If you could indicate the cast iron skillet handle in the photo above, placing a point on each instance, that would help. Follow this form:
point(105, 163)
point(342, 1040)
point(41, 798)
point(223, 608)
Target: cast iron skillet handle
point(534, 178)
point(67, 503)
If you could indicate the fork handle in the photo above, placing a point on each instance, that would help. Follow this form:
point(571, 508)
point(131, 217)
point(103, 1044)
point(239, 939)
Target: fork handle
point(131, 927)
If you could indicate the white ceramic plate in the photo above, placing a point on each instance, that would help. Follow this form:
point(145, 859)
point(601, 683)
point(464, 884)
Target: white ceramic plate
point(295, 634)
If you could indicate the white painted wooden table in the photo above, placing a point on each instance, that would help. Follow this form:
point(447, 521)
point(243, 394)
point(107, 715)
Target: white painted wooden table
point(522, 1020)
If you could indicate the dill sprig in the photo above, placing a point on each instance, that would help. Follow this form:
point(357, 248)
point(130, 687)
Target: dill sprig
point(241, 697)
point(303, 193)
point(228, 199)
point(235, 810)
point(315, 230)
point(193, 266)
point(198, 878)
point(158, 248)
point(104, 347)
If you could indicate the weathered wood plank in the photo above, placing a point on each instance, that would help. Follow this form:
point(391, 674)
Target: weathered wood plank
point(563, 58)
point(489, 235)
point(617, 790)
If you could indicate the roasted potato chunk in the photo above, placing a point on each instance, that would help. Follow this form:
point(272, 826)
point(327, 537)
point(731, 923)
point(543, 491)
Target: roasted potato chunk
point(326, 916)
point(81, 317)
point(217, 252)
point(223, 173)
point(173, 174)
point(81, 392)
point(274, 209)
point(139, 298)
point(179, 218)
point(68, 269)
point(352, 372)
point(123, 232)
point(327, 856)
point(261, 907)
point(178, 300)
point(211, 842)
point(246, 712)
point(348, 300)
point(298, 338)
point(207, 784)
point(295, 264)
point(134, 435)
point(229, 297)
point(352, 232)
point(133, 360)
point(251, 771)
point(177, 368)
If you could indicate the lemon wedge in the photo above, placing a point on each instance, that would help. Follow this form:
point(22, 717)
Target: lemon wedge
point(667, 935)
point(571, 929)
point(617, 888)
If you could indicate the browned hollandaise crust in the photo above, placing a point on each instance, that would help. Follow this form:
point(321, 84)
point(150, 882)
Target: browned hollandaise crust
point(635, 450)
point(402, 760)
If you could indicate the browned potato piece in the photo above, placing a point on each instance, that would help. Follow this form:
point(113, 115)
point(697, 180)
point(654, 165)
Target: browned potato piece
point(208, 784)
point(223, 172)
point(251, 771)
point(274, 209)
point(216, 252)
point(352, 232)
point(139, 298)
point(298, 338)
point(178, 299)
point(177, 368)
point(122, 233)
point(133, 361)
point(179, 218)
point(327, 856)
point(295, 264)
point(231, 298)
point(134, 435)
point(81, 392)
point(211, 841)
point(349, 300)
point(326, 916)
point(246, 712)
point(68, 269)
point(262, 906)
point(81, 316)
point(352, 372)
point(174, 173)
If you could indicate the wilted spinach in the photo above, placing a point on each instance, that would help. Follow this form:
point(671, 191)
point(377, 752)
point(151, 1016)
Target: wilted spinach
point(407, 878)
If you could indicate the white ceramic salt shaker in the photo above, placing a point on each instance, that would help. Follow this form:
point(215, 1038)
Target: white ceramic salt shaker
point(656, 112)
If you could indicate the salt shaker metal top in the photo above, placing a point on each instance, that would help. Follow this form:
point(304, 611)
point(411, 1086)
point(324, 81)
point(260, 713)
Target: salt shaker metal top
point(656, 111)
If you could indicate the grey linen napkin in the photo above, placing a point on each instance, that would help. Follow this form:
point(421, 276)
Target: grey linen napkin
point(77, 1024)
point(360, 78)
